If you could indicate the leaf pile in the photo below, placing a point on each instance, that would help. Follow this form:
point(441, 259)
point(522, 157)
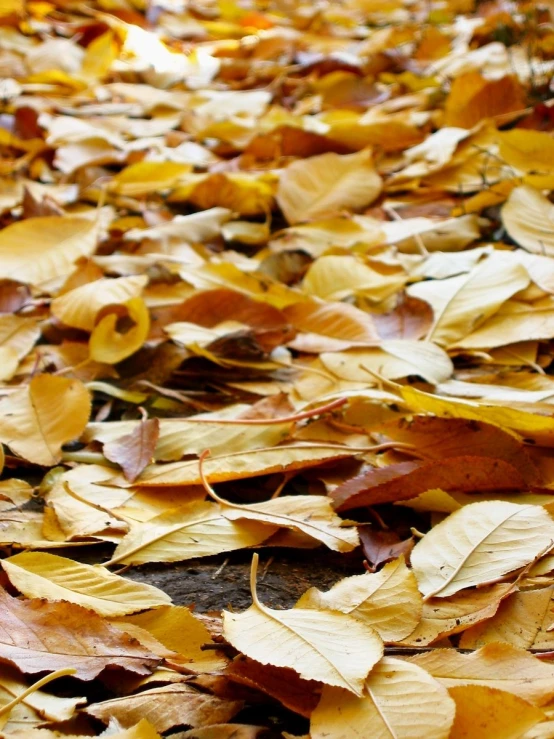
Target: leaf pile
point(317, 240)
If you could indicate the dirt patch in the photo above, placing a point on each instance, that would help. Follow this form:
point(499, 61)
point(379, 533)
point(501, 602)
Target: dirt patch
point(211, 585)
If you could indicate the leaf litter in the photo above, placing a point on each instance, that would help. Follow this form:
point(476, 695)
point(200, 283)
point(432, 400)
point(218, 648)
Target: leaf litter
point(316, 242)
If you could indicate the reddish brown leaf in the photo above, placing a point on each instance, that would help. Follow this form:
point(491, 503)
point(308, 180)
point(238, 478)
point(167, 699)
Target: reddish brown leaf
point(380, 547)
point(408, 479)
point(40, 636)
point(449, 437)
point(286, 686)
point(134, 451)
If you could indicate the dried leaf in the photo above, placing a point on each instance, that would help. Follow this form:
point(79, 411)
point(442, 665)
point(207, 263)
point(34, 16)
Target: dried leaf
point(41, 636)
point(331, 647)
point(478, 544)
point(41, 575)
point(37, 250)
point(134, 450)
point(37, 420)
point(320, 186)
point(398, 701)
point(164, 708)
point(483, 712)
point(198, 529)
point(388, 601)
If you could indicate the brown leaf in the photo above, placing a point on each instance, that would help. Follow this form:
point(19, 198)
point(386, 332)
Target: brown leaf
point(38, 636)
point(164, 708)
point(380, 547)
point(134, 451)
point(281, 683)
point(408, 479)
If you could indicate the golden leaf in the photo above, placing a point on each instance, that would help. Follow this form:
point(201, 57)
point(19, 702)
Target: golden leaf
point(331, 647)
point(37, 420)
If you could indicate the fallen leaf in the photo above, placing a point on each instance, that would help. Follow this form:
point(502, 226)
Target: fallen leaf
point(442, 617)
point(244, 464)
point(170, 625)
point(388, 601)
point(326, 184)
point(483, 712)
point(107, 344)
point(41, 575)
point(500, 666)
point(398, 701)
point(135, 450)
point(473, 98)
point(37, 420)
point(166, 707)
point(43, 637)
point(523, 619)
point(331, 647)
point(37, 250)
point(528, 217)
point(460, 304)
point(198, 529)
point(406, 480)
point(478, 544)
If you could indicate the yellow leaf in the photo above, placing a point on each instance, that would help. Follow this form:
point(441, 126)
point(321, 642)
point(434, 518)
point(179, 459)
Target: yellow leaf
point(395, 358)
point(461, 303)
point(165, 707)
point(529, 425)
point(523, 619)
point(17, 337)
point(311, 514)
point(496, 665)
point(398, 701)
point(331, 647)
point(336, 277)
point(37, 420)
point(483, 712)
point(178, 629)
point(41, 575)
point(99, 57)
point(108, 345)
point(195, 530)
point(478, 544)
point(444, 616)
point(514, 321)
point(324, 185)
point(39, 704)
point(178, 437)
point(78, 308)
point(37, 250)
point(528, 217)
point(387, 600)
point(528, 151)
point(240, 465)
point(146, 177)
point(473, 98)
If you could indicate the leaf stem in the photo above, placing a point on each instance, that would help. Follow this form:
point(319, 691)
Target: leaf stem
point(36, 686)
